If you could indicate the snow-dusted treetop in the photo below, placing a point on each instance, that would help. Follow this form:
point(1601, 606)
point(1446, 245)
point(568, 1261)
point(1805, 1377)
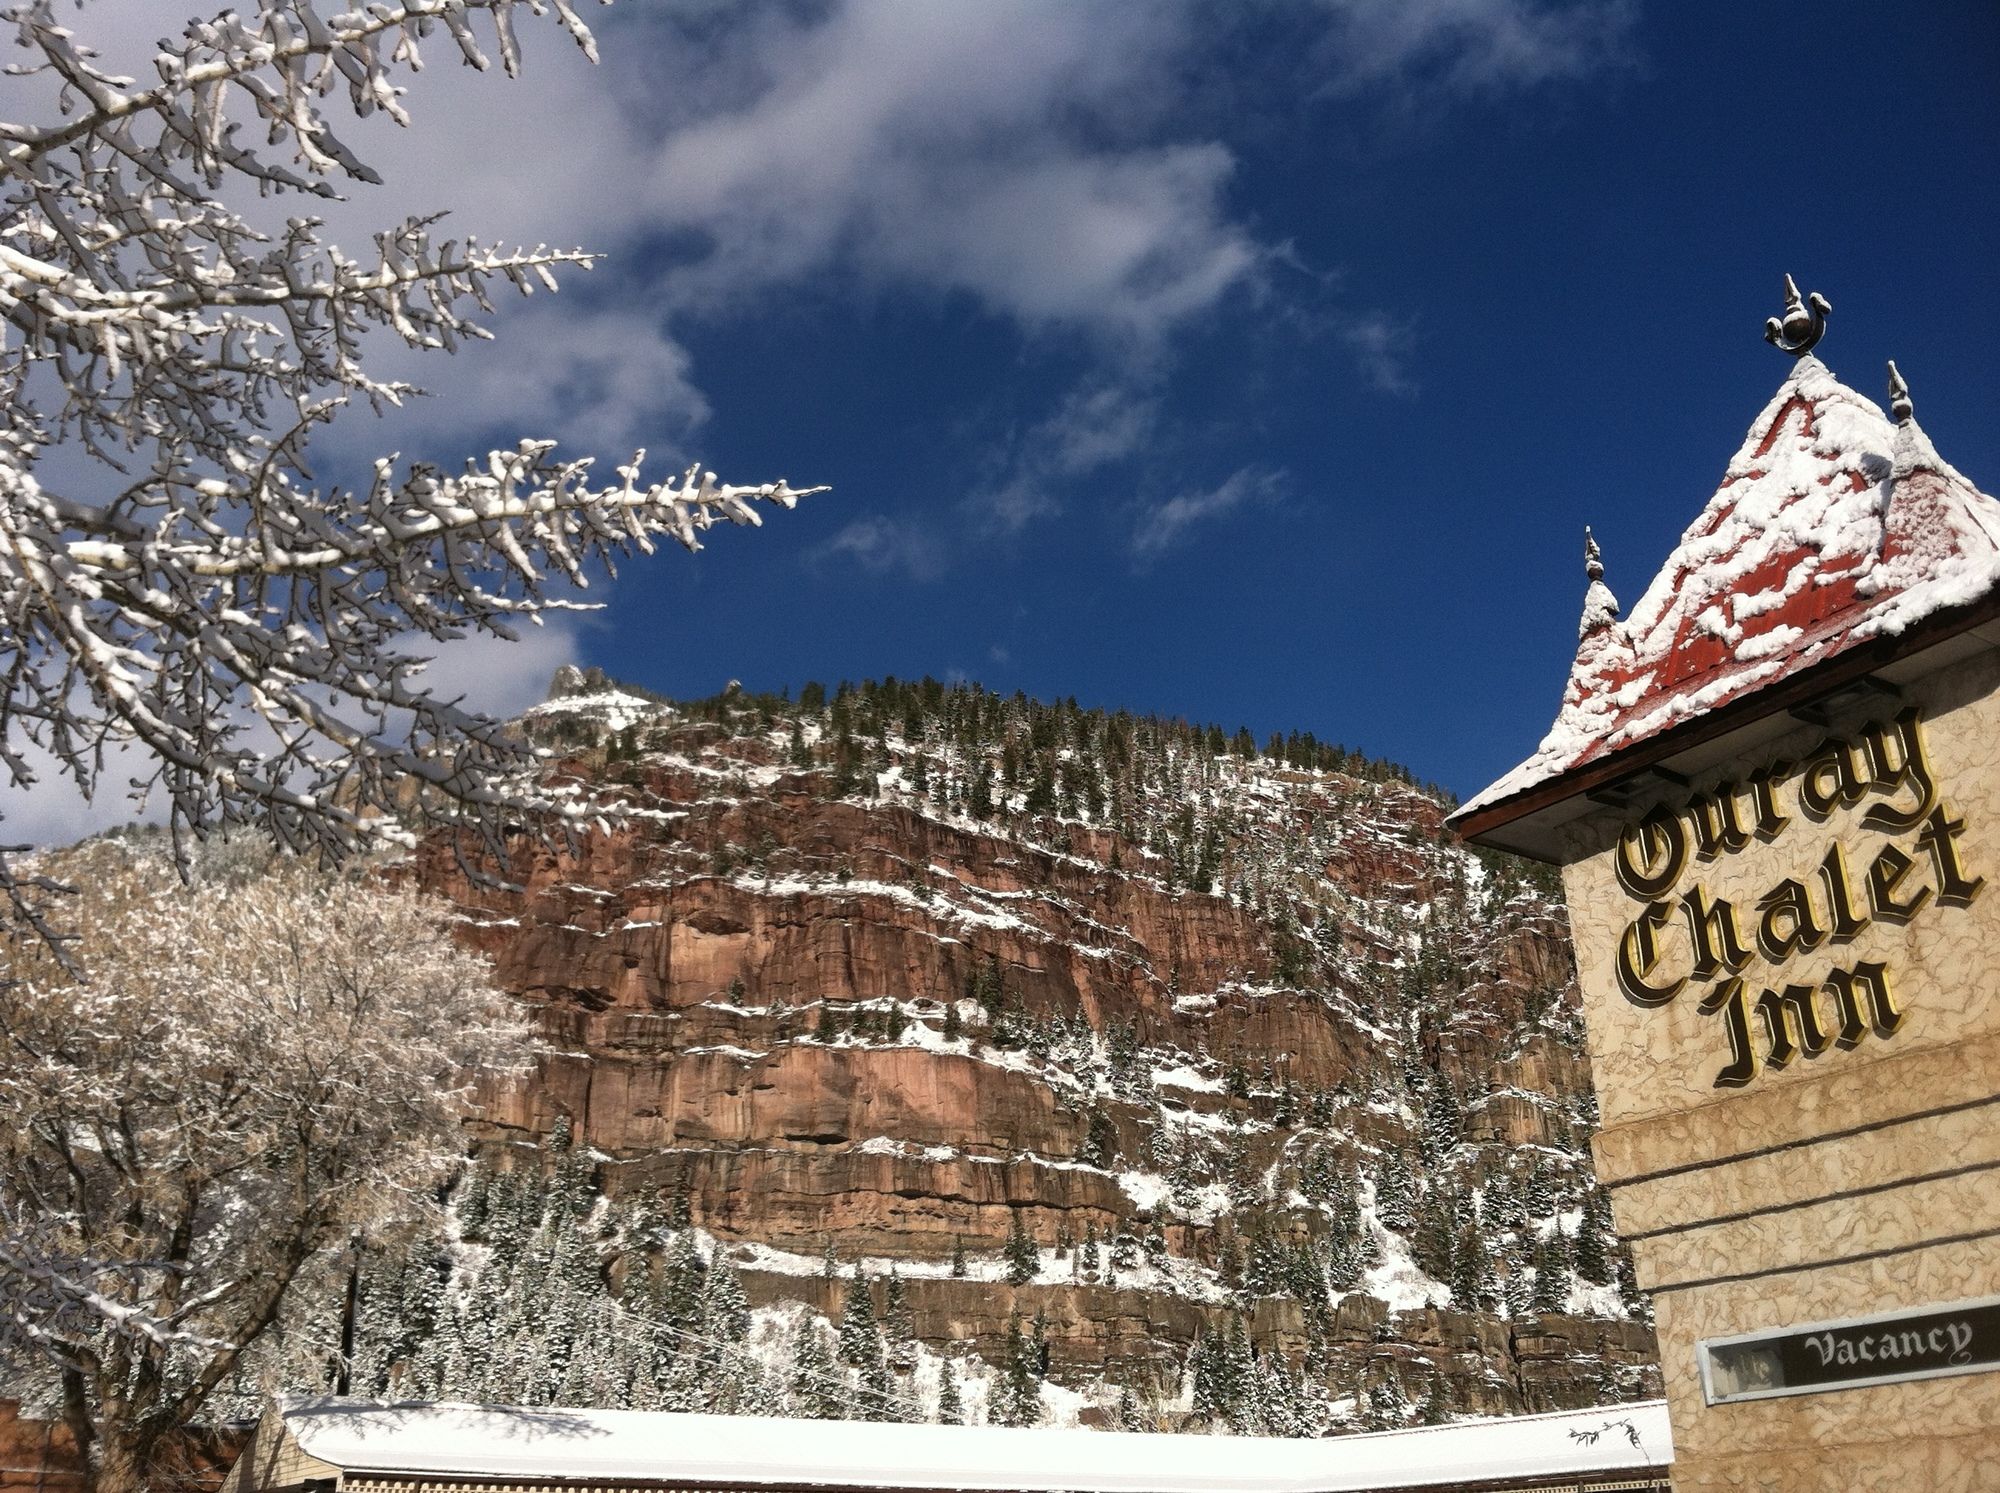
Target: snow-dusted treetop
point(195, 591)
point(1832, 526)
point(256, 1067)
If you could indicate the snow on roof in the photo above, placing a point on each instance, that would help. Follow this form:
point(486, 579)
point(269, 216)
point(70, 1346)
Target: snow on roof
point(1832, 526)
point(740, 1450)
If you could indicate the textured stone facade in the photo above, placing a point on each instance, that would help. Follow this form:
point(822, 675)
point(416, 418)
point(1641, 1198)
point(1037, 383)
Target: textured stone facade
point(1835, 1155)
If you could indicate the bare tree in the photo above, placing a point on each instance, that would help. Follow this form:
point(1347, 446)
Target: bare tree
point(256, 1067)
point(199, 596)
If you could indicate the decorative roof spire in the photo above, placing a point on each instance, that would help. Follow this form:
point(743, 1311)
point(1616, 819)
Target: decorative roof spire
point(1600, 607)
point(1798, 331)
point(1901, 410)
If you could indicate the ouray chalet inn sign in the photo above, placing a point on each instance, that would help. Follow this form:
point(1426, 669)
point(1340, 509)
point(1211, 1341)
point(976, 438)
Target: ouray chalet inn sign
point(1682, 935)
point(1774, 792)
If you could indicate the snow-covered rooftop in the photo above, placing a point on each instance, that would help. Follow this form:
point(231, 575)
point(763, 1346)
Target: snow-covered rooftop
point(736, 1451)
point(1833, 526)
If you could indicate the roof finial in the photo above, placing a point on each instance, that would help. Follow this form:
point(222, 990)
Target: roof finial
point(1798, 331)
point(1901, 410)
point(1600, 607)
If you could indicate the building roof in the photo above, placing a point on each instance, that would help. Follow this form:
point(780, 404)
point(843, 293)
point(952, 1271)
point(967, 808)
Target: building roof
point(1834, 527)
point(560, 1445)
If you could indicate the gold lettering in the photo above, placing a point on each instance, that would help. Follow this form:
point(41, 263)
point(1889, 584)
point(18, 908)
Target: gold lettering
point(1940, 830)
point(1718, 943)
point(1717, 828)
point(1871, 979)
point(1896, 760)
point(1788, 924)
point(1727, 997)
point(1884, 876)
point(1770, 819)
point(1829, 780)
point(1784, 1010)
point(1652, 854)
point(1638, 952)
point(1847, 924)
point(1885, 770)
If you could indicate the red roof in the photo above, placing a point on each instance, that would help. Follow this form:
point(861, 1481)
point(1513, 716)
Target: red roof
point(1832, 526)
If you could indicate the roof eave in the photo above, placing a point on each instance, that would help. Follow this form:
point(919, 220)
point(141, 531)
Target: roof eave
point(1529, 822)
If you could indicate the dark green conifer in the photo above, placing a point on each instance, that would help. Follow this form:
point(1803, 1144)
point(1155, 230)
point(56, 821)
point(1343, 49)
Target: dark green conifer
point(1023, 1259)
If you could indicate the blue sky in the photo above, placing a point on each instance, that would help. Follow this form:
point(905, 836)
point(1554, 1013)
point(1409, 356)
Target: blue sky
point(1260, 364)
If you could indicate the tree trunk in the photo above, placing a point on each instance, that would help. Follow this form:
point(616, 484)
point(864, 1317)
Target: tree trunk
point(117, 1463)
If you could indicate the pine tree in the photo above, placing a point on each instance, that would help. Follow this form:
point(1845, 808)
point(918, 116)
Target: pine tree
point(951, 1406)
point(899, 1328)
point(1395, 1192)
point(1431, 1236)
point(1100, 1140)
point(1551, 1275)
point(829, 1027)
point(1538, 1197)
point(877, 1396)
point(1184, 1181)
point(1386, 1407)
point(860, 1343)
point(1635, 1301)
point(813, 1382)
point(1593, 1259)
point(1441, 1121)
point(1024, 1261)
point(469, 1201)
point(1264, 1274)
point(725, 1307)
point(958, 1257)
point(1127, 1414)
point(1436, 1408)
point(682, 1284)
point(680, 1208)
point(1017, 1397)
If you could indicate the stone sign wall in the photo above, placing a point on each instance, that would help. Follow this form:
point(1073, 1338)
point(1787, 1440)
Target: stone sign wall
point(1791, 976)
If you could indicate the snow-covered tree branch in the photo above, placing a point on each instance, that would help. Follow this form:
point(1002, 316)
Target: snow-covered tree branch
point(256, 1067)
point(196, 593)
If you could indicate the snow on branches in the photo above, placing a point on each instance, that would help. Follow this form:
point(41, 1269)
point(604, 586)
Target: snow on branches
point(195, 593)
point(257, 1067)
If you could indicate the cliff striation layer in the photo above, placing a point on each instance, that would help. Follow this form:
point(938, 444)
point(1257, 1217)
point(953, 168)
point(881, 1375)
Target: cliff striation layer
point(1146, 1035)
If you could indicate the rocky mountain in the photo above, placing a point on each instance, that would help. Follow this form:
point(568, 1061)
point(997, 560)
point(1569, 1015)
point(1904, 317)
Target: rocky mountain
point(1116, 1058)
point(913, 1052)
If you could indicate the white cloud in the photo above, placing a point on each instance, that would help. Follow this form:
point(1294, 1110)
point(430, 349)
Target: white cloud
point(1381, 348)
point(599, 381)
point(1485, 46)
point(883, 545)
point(960, 148)
point(498, 677)
point(1097, 423)
point(1034, 156)
point(1163, 525)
